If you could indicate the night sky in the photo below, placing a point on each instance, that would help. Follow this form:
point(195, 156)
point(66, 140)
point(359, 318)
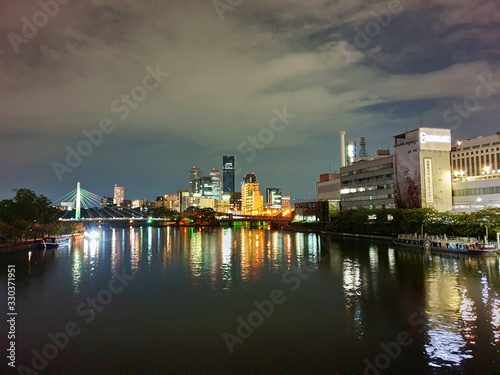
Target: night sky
point(230, 71)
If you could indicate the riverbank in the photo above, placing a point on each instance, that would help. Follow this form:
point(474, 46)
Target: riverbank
point(29, 245)
point(318, 230)
point(18, 246)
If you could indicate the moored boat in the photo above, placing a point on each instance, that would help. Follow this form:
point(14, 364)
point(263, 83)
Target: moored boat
point(54, 242)
point(459, 245)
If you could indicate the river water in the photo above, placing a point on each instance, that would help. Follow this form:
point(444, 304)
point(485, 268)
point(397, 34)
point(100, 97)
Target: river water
point(172, 299)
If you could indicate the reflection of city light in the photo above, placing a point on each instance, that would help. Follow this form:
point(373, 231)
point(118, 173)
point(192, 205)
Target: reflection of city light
point(452, 316)
point(445, 346)
point(486, 289)
point(495, 319)
point(196, 255)
point(352, 278)
point(467, 311)
point(373, 254)
point(392, 261)
point(92, 234)
point(227, 256)
point(92, 248)
point(351, 275)
point(75, 272)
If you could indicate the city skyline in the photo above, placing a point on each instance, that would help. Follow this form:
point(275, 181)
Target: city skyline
point(154, 88)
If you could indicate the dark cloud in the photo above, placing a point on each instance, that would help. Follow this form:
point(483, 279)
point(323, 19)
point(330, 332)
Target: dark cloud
point(226, 79)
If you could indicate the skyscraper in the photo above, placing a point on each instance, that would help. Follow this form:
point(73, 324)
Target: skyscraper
point(228, 174)
point(204, 187)
point(119, 194)
point(216, 183)
point(273, 197)
point(286, 202)
point(249, 178)
point(194, 174)
point(252, 201)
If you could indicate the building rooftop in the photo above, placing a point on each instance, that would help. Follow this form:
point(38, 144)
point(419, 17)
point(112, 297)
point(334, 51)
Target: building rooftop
point(491, 140)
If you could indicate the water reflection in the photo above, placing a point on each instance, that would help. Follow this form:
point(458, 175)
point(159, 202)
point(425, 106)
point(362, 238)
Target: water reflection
point(227, 257)
point(351, 275)
point(455, 298)
point(358, 296)
point(392, 260)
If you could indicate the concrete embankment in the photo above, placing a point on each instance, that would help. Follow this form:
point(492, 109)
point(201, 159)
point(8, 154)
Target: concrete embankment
point(343, 235)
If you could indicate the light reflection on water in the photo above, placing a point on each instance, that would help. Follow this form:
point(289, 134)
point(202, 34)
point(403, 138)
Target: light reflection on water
point(374, 286)
point(453, 301)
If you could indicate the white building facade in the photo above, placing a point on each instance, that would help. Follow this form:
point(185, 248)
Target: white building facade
point(422, 169)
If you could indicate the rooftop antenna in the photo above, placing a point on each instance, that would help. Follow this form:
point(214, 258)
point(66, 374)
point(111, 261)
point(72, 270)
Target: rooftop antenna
point(362, 152)
point(421, 122)
point(329, 168)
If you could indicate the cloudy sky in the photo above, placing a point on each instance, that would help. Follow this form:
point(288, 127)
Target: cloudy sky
point(372, 68)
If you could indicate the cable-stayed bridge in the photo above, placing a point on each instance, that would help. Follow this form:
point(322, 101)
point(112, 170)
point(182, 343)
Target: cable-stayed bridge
point(86, 206)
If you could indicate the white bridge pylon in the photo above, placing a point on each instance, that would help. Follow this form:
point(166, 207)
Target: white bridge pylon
point(78, 200)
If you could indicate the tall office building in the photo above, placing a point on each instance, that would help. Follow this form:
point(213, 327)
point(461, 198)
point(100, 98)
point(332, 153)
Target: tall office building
point(286, 203)
point(216, 183)
point(119, 195)
point(273, 197)
point(204, 187)
point(194, 175)
point(249, 178)
point(252, 201)
point(422, 169)
point(228, 174)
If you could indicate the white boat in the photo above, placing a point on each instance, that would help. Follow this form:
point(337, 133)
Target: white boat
point(56, 241)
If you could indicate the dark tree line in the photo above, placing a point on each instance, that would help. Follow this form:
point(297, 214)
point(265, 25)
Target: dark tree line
point(28, 216)
point(398, 221)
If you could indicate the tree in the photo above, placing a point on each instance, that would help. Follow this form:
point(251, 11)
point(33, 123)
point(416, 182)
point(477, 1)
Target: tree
point(164, 213)
point(26, 205)
point(200, 215)
point(22, 215)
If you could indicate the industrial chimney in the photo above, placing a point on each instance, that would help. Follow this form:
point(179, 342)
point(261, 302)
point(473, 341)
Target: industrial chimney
point(342, 149)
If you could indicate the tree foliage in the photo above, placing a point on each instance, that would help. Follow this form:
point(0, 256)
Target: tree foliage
point(390, 222)
point(164, 213)
point(27, 206)
point(25, 215)
point(200, 215)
